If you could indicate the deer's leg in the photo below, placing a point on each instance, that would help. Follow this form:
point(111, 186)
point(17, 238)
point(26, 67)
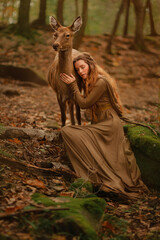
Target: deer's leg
point(62, 105)
point(78, 114)
point(71, 111)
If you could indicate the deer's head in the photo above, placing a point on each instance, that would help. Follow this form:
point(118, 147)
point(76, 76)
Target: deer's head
point(63, 35)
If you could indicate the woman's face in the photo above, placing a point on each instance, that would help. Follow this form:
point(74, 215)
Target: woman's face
point(82, 68)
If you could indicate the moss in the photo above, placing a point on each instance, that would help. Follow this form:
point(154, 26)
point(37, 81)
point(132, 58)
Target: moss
point(82, 218)
point(42, 199)
point(4, 237)
point(116, 227)
point(2, 129)
point(82, 188)
point(154, 235)
point(146, 147)
point(95, 206)
point(82, 183)
point(4, 153)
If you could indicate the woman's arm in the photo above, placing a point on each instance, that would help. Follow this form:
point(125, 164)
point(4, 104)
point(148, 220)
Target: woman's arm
point(94, 95)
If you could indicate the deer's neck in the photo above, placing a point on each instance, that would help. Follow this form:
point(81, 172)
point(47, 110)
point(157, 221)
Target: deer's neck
point(65, 61)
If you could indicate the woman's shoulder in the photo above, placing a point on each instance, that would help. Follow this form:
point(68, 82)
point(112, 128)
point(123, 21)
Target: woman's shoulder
point(101, 80)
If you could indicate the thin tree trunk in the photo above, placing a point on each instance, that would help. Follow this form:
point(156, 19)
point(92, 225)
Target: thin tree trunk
point(60, 6)
point(23, 17)
point(77, 8)
point(115, 26)
point(139, 7)
point(153, 30)
point(125, 30)
point(42, 12)
point(80, 34)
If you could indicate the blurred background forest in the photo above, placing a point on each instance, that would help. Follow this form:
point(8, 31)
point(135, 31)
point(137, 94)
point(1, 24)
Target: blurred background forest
point(101, 14)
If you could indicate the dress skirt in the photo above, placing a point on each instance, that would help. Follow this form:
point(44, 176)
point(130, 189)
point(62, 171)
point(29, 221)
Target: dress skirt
point(102, 154)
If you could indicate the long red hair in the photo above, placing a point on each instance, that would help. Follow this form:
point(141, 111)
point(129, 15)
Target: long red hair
point(94, 73)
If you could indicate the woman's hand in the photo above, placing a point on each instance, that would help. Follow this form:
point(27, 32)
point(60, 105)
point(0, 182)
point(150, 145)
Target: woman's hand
point(67, 78)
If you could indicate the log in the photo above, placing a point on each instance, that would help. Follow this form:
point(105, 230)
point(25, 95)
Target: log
point(28, 133)
point(24, 74)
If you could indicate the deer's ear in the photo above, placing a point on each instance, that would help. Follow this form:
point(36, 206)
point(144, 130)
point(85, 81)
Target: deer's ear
point(76, 25)
point(54, 23)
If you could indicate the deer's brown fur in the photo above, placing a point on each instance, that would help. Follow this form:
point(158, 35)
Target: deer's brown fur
point(63, 63)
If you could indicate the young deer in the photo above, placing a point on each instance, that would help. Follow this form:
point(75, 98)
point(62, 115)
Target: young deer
point(63, 63)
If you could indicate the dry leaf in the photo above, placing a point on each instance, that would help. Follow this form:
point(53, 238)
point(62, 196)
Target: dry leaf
point(107, 225)
point(13, 209)
point(15, 140)
point(35, 183)
point(67, 194)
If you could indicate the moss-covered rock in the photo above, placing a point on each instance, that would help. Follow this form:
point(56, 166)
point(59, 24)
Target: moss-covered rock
point(81, 219)
point(146, 147)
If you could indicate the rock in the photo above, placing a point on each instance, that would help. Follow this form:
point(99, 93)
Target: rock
point(146, 147)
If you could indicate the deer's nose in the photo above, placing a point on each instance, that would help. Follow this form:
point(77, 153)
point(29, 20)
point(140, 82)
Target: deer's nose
point(56, 46)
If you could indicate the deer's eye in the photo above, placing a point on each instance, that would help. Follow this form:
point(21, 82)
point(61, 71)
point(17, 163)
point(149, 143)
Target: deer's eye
point(67, 35)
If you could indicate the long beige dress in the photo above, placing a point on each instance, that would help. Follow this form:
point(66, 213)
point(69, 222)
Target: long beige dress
point(100, 152)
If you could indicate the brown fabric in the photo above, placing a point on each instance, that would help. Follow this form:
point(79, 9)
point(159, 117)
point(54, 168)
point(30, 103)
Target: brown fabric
point(100, 152)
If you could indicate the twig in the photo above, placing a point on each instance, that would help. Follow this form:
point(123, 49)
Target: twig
point(140, 124)
point(34, 169)
point(7, 215)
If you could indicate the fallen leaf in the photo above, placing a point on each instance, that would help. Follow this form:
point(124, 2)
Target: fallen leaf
point(35, 183)
point(13, 209)
point(15, 140)
point(67, 194)
point(107, 225)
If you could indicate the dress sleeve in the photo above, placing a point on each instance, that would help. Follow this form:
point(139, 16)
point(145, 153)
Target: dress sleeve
point(94, 95)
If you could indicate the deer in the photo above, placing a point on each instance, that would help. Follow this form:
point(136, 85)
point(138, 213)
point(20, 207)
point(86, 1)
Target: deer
point(63, 63)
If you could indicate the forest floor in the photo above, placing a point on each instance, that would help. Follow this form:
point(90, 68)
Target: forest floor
point(33, 106)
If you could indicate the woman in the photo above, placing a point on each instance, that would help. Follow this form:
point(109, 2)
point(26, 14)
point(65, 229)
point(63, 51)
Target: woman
point(100, 152)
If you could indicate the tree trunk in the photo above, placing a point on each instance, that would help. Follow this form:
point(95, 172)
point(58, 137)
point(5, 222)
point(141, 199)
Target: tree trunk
point(77, 8)
point(60, 6)
point(125, 30)
point(23, 17)
point(80, 34)
point(42, 12)
point(108, 49)
point(153, 30)
point(139, 13)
